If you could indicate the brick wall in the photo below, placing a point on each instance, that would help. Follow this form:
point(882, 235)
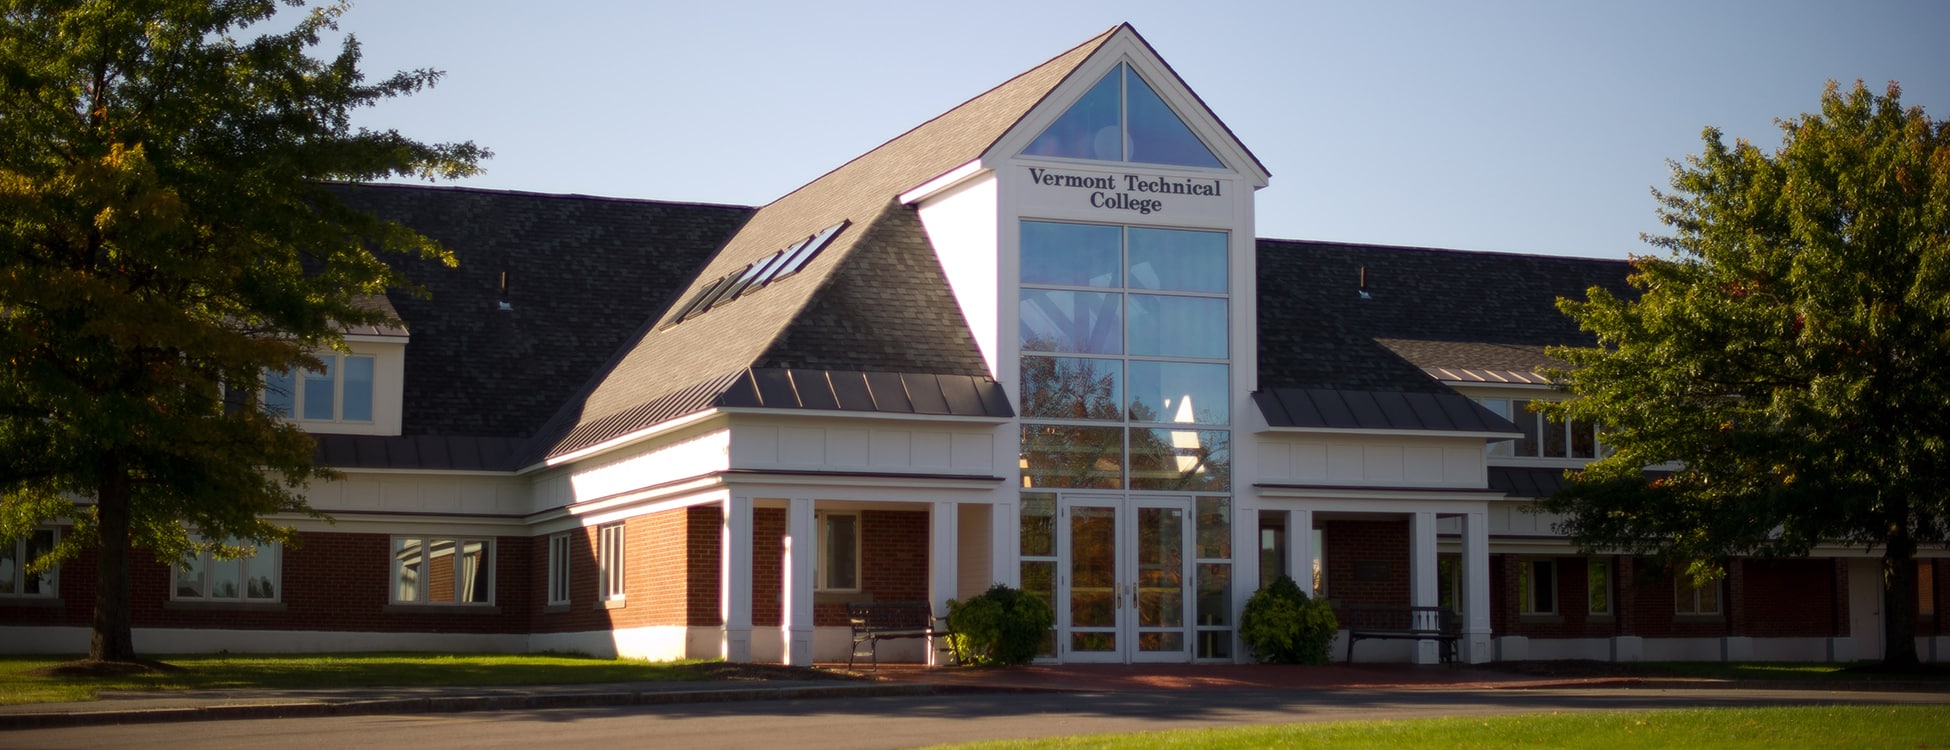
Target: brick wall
point(1367, 561)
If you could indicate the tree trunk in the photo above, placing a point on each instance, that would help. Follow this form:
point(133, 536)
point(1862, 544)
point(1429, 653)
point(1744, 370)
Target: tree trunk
point(1899, 601)
point(113, 640)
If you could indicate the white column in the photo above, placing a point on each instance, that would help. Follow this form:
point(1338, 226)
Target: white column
point(944, 551)
point(735, 579)
point(796, 582)
point(1245, 566)
point(1300, 548)
point(1422, 576)
point(1476, 587)
point(1005, 536)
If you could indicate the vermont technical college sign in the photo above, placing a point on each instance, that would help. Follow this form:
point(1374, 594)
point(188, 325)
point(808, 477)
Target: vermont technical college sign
point(1103, 194)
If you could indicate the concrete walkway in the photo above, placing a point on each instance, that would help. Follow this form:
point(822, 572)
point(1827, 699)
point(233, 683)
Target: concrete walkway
point(198, 705)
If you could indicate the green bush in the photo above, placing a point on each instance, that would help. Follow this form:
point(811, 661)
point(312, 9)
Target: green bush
point(1003, 625)
point(1282, 625)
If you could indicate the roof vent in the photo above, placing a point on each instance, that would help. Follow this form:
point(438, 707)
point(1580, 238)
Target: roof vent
point(1363, 289)
point(504, 305)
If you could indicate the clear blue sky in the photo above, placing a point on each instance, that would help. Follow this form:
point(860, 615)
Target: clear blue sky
point(1534, 127)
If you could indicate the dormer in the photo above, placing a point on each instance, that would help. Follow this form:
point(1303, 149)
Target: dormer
point(358, 390)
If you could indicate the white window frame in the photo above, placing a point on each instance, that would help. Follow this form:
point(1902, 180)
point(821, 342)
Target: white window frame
point(821, 571)
point(1684, 593)
point(1507, 408)
point(264, 557)
point(422, 591)
point(335, 364)
point(612, 556)
point(1527, 586)
point(558, 568)
point(15, 578)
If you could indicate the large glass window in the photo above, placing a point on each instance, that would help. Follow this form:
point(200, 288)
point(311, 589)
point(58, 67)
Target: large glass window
point(443, 570)
point(1537, 584)
point(252, 577)
point(1598, 585)
point(1542, 437)
point(1691, 599)
point(1122, 118)
point(16, 555)
point(1131, 357)
point(340, 391)
point(612, 558)
point(558, 568)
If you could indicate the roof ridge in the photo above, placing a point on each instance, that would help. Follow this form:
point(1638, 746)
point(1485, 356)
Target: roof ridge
point(1449, 250)
point(533, 194)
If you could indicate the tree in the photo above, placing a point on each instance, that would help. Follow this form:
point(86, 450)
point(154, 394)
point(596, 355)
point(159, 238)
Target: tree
point(166, 239)
point(1787, 362)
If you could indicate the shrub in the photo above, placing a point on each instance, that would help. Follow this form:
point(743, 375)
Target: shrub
point(1282, 625)
point(1003, 625)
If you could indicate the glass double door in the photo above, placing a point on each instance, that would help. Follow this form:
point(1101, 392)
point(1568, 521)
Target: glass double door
point(1125, 576)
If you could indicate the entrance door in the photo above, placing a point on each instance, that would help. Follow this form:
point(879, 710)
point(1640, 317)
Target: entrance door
point(1865, 607)
point(1125, 580)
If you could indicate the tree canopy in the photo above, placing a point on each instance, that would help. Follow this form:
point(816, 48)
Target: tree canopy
point(167, 237)
point(1784, 368)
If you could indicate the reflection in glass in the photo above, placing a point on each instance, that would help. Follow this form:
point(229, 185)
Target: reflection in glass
point(1064, 456)
point(1177, 260)
point(1089, 129)
point(1214, 527)
point(1198, 460)
point(358, 390)
point(1157, 136)
point(1168, 326)
point(1161, 567)
point(1071, 387)
point(1180, 392)
point(1072, 322)
point(318, 390)
point(1038, 525)
point(280, 392)
point(1214, 609)
point(408, 564)
point(1071, 254)
point(1093, 579)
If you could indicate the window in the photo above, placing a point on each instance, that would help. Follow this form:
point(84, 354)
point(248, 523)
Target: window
point(1537, 587)
point(1122, 118)
point(1689, 599)
point(16, 555)
point(1124, 371)
point(838, 566)
point(1598, 579)
point(611, 545)
point(558, 568)
point(1542, 438)
point(248, 578)
point(339, 392)
point(443, 570)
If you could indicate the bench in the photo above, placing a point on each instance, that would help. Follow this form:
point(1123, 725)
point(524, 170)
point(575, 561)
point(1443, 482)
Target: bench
point(1401, 622)
point(878, 621)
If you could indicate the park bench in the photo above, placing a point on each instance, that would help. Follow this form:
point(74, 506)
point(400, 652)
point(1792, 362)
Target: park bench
point(1401, 622)
point(873, 622)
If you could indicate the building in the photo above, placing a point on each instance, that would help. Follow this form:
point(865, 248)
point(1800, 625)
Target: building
point(1033, 340)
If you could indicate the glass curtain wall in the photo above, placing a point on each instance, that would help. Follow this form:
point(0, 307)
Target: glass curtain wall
point(1125, 381)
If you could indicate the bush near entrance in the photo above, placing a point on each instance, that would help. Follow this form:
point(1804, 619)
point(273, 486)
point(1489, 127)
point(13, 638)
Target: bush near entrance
point(1003, 625)
point(1282, 625)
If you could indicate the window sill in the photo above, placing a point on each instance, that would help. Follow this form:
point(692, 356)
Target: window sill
point(184, 605)
point(613, 604)
point(841, 597)
point(1549, 619)
point(1713, 618)
point(441, 609)
point(556, 609)
point(17, 600)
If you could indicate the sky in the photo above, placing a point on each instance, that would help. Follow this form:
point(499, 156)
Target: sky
point(1529, 127)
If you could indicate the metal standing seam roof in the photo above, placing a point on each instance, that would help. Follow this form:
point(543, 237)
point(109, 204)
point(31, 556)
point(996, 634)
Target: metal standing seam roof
point(803, 390)
point(1326, 408)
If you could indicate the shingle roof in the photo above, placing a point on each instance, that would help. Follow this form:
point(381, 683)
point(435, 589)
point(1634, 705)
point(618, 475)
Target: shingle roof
point(1424, 309)
point(775, 325)
point(584, 274)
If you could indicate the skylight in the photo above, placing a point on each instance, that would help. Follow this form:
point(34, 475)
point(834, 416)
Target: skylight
point(750, 278)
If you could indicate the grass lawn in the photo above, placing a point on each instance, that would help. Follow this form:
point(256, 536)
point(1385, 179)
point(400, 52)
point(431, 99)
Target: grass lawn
point(19, 684)
point(1714, 728)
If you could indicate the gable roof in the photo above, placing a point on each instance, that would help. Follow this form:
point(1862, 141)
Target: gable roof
point(769, 327)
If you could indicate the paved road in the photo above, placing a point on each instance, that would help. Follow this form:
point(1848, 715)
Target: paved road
point(896, 722)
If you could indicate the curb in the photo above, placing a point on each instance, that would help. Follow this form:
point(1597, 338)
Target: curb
point(456, 704)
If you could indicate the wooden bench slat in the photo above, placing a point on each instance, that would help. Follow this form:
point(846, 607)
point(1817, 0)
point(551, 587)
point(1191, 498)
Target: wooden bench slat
point(877, 621)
